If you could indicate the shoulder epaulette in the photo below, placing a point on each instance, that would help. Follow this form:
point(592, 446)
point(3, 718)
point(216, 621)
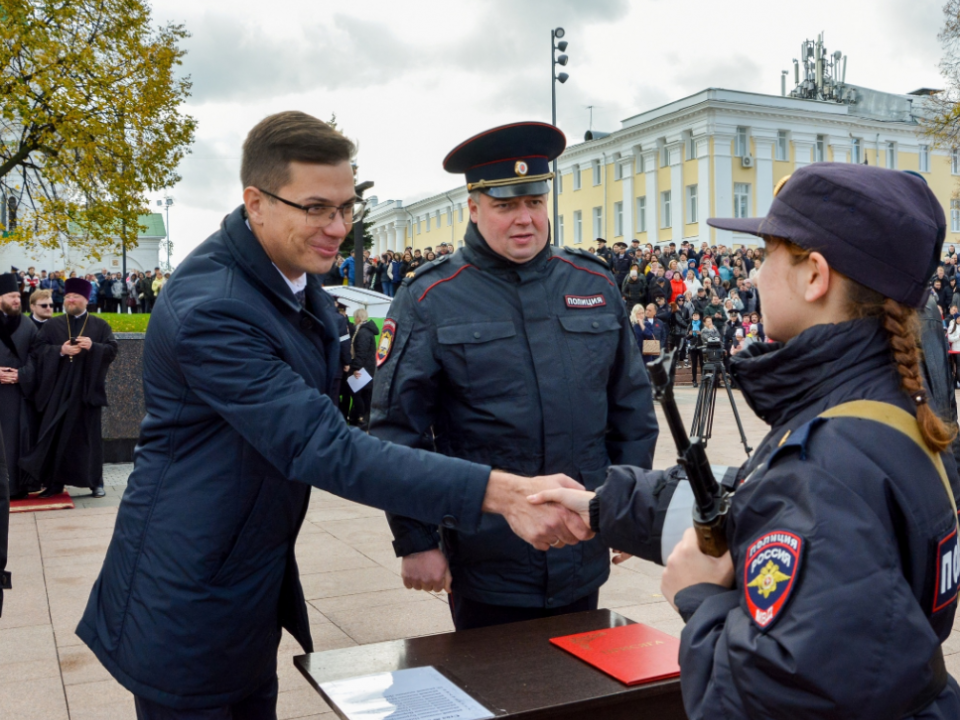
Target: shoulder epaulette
point(425, 268)
point(586, 256)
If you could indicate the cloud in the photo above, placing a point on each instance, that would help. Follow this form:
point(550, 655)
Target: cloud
point(737, 72)
point(211, 173)
point(229, 59)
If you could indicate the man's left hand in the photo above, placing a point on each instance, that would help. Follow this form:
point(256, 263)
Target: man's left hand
point(9, 376)
point(84, 343)
point(687, 566)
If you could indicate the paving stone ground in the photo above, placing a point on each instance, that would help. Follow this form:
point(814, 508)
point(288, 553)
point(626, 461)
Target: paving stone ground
point(350, 578)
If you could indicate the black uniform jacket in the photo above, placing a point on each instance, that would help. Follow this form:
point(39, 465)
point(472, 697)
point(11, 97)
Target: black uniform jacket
point(844, 545)
point(532, 368)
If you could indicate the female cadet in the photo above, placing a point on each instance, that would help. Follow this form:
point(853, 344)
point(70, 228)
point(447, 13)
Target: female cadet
point(841, 580)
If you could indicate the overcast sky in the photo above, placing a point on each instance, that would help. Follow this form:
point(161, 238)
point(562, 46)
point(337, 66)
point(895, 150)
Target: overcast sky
point(409, 79)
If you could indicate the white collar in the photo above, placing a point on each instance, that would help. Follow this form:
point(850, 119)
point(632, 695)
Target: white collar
point(296, 285)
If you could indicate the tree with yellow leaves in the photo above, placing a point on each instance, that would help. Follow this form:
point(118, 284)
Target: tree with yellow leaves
point(89, 119)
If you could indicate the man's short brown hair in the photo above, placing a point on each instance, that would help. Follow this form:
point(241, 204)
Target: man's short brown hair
point(39, 295)
point(286, 137)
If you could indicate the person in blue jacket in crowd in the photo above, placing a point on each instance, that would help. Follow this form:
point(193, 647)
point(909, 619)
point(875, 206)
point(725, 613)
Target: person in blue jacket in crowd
point(841, 581)
point(347, 270)
point(239, 369)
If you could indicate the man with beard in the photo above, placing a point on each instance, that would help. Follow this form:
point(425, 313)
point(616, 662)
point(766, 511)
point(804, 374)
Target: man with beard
point(17, 418)
point(74, 353)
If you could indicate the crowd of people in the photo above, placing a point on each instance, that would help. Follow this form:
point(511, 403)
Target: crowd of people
point(385, 272)
point(678, 298)
point(107, 289)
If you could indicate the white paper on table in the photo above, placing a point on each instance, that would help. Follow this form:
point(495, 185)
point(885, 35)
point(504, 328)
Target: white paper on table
point(413, 694)
point(356, 383)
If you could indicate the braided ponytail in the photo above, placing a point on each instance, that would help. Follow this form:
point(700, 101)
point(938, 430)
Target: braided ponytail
point(903, 329)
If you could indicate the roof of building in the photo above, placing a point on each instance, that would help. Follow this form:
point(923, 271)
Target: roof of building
point(151, 226)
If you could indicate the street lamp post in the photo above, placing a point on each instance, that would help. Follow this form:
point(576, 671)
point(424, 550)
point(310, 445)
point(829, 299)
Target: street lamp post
point(166, 203)
point(556, 34)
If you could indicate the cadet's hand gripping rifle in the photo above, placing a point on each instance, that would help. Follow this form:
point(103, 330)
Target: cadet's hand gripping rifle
point(712, 501)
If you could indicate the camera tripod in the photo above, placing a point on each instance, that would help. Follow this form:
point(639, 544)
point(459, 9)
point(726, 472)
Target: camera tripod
point(714, 375)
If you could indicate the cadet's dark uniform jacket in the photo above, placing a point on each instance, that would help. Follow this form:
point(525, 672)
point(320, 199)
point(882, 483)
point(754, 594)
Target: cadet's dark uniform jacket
point(846, 527)
point(531, 367)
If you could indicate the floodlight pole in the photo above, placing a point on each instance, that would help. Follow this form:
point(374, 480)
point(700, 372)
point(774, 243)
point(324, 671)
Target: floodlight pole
point(556, 34)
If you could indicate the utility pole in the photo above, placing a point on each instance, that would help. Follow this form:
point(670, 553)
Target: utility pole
point(556, 34)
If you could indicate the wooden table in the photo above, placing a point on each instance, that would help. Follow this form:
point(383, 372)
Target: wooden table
point(512, 670)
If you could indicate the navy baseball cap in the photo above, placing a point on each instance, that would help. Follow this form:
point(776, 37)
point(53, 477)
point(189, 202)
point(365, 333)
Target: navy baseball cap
point(510, 160)
point(882, 228)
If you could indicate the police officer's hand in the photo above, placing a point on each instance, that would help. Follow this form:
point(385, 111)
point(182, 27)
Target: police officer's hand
point(426, 570)
point(688, 566)
point(543, 526)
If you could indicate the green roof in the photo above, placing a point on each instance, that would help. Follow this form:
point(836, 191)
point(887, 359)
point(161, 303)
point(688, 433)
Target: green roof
point(153, 223)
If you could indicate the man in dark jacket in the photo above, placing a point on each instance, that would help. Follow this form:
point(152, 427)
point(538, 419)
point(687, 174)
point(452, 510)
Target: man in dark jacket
point(634, 289)
point(604, 252)
point(521, 354)
point(621, 263)
point(200, 576)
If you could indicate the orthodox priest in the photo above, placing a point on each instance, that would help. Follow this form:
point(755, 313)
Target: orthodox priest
point(18, 424)
point(73, 353)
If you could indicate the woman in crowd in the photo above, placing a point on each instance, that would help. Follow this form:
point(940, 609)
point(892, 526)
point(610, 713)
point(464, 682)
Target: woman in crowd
point(677, 286)
point(691, 281)
point(756, 320)
point(634, 288)
point(363, 352)
point(650, 332)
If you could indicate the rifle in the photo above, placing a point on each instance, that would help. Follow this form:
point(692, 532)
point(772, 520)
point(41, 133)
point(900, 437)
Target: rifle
point(712, 501)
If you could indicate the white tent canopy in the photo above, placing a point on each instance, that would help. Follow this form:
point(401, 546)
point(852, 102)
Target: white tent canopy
point(376, 304)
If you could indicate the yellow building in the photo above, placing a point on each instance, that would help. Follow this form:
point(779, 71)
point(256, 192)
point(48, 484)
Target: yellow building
point(718, 153)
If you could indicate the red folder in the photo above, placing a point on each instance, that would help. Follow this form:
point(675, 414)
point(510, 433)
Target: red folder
point(633, 654)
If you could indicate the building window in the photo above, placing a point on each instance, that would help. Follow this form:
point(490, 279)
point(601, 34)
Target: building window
point(618, 219)
point(577, 227)
point(892, 156)
point(691, 146)
point(783, 149)
point(740, 142)
point(598, 222)
point(617, 167)
point(560, 230)
point(691, 203)
point(856, 150)
point(741, 200)
point(641, 214)
point(576, 177)
point(596, 172)
point(665, 209)
point(925, 158)
point(955, 216)
point(819, 150)
point(955, 161)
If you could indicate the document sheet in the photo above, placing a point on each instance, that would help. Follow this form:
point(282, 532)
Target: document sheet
point(414, 694)
point(356, 383)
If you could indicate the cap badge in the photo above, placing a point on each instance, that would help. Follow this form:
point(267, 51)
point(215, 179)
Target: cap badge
point(780, 184)
point(520, 168)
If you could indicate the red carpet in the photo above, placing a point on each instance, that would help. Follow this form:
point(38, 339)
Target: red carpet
point(32, 503)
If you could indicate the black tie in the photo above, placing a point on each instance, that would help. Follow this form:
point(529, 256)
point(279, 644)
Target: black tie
point(301, 298)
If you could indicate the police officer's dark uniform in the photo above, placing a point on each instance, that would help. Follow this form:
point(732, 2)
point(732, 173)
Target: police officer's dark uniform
point(532, 367)
point(604, 252)
point(842, 530)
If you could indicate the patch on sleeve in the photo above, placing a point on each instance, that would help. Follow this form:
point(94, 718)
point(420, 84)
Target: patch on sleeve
point(387, 336)
point(588, 301)
point(948, 571)
point(770, 574)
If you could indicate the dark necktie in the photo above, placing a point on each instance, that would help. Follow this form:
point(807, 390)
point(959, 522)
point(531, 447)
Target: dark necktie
point(301, 298)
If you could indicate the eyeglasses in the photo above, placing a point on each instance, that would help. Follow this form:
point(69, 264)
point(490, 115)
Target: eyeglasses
point(44, 305)
point(319, 216)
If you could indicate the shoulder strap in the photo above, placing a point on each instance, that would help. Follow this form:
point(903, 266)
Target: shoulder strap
point(898, 419)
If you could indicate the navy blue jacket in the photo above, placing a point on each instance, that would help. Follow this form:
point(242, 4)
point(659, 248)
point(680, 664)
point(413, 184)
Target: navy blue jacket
point(531, 368)
point(847, 517)
point(200, 575)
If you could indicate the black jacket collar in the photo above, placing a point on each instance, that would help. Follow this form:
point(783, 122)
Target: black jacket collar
point(479, 254)
point(780, 381)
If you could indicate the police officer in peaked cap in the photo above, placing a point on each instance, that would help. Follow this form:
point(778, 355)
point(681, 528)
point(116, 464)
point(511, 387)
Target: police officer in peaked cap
point(519, 353)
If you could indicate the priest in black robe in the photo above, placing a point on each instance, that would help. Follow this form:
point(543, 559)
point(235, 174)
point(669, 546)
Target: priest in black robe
point(18, 421)
point(73, 354)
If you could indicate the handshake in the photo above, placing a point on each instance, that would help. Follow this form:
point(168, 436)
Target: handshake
point(548, 512)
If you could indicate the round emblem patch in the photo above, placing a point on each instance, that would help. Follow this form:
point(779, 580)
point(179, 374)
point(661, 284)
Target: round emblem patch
point(521, 168)
point(386, 341)
point(770, 574)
